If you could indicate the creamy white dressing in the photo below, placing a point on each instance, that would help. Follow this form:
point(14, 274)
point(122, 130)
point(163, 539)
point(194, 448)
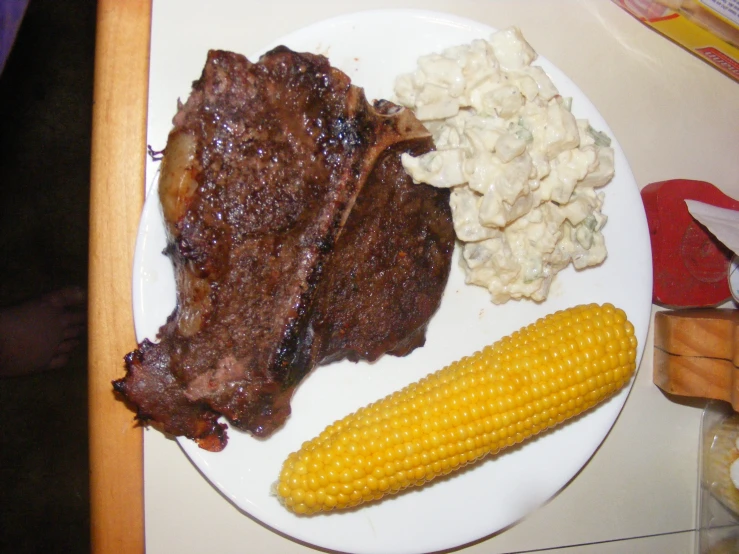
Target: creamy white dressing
point(521, 168)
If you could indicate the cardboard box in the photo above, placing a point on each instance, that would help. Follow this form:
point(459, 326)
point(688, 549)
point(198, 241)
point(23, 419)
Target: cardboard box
point(707, 28)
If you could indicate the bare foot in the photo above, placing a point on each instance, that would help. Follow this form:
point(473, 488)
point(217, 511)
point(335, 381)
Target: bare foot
point(39, 334)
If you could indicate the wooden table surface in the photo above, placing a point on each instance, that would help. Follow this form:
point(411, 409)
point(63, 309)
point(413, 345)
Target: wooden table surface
point(117, 194)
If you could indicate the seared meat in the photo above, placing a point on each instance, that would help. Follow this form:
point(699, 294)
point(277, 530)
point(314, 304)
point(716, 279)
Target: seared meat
point(296, 237)
point(387, 274)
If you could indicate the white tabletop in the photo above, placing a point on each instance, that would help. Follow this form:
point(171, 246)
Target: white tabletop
point(674, 116)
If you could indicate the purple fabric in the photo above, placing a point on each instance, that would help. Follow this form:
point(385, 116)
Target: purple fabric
point(11, 15)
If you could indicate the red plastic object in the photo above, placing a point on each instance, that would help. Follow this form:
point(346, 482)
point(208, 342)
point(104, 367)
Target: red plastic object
point(690, 265)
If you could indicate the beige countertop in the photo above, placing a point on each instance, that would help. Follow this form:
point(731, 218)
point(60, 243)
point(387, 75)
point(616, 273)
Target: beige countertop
point(674, 116)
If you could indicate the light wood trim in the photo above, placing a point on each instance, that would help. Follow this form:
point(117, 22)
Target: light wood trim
point(116, 199)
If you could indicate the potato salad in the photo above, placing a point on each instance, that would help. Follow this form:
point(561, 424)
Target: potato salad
point(523, 171)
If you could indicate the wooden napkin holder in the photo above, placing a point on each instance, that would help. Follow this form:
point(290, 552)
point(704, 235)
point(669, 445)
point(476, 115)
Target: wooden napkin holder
point(696, 353)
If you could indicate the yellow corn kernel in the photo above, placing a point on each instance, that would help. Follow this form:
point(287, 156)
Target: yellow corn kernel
point(530, 381)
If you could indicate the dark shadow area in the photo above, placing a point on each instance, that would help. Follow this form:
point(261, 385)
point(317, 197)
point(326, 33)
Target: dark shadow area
point(45, 119)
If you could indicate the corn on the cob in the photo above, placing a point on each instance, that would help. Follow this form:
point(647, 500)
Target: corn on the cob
point(532, 380)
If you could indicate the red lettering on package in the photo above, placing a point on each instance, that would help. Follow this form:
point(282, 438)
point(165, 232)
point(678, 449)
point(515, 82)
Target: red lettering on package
point(720, 59)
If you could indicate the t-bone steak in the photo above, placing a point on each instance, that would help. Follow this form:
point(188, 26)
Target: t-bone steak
point(296, 238)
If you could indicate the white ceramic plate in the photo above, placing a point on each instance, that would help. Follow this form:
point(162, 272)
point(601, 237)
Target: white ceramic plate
point(373, 48)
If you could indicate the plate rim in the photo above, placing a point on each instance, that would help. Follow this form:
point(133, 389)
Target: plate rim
point(443, 17)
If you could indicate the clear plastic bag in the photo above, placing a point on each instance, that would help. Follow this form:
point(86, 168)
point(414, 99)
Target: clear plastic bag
point(718, 499)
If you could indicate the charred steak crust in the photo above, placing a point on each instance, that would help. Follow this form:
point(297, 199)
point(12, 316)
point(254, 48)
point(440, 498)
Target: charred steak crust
point(296, 239)
point(390, 266)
